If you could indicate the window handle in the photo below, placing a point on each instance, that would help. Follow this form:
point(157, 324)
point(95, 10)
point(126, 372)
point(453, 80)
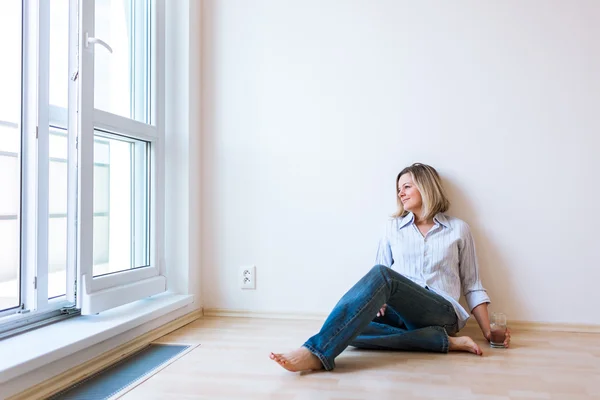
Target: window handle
point(92, 40)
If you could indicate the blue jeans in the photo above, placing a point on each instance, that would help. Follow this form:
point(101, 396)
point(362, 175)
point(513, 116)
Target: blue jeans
point(416, 318)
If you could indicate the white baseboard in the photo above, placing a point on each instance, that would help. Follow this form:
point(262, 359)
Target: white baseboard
point(516, 326)
point(224, 312)
point(80, 372)
point(471, 323)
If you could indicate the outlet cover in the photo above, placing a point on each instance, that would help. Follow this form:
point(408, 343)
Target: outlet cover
point(247, 277)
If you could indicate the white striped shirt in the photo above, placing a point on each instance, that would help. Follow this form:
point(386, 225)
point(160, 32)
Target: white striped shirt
point(443, 260)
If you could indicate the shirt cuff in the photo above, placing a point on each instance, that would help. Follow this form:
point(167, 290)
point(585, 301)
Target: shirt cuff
point(475, 298)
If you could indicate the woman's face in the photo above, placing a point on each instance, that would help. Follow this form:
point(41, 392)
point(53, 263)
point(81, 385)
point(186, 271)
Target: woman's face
point(409, 194)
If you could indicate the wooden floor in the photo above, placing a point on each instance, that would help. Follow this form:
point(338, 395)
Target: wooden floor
point(232, 362)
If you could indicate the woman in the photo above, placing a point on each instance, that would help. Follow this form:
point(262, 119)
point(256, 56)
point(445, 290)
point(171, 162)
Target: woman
point(422, 261)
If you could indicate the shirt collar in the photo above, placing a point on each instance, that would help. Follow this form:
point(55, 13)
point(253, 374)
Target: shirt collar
point(407, 219)
point(442, 220)
point(410, 217)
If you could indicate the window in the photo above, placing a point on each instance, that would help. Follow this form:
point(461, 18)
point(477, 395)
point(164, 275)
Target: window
point(119, 155)
point(122, 78)
point(120, 204)
point(80, 157)
point(57, 214)
point(10, 155)
point(58, 143)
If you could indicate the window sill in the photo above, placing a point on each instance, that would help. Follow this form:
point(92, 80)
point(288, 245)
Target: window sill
point(31, 350)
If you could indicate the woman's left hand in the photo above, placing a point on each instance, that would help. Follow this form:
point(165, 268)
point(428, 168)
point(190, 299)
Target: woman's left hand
point(488, 336)
point(507, 338)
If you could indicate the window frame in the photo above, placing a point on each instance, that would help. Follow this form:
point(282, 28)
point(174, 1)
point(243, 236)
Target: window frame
point(36, 162)
point(37, 114)
point(98, 293)
point(13, 312)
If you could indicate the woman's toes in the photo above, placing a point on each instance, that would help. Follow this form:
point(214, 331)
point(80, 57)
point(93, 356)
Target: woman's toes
point(278, 358)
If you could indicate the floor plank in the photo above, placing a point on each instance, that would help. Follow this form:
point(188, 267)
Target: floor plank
point(232, 363)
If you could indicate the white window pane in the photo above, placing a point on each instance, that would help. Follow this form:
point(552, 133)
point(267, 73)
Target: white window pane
point(10, 185)
point(101, 152)
point(10, 67)
point(57, 256)
point(58, 187)
point(57, 203)
point(121, 78)
point(59, 53)
point(101, 254)
point(10, 135)
point(9, 264)
point(121, 227)
point(59, 146)
point(101, 189)
point(10, 149)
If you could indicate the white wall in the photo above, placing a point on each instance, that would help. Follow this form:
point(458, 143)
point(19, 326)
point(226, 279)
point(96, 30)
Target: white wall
point(312, 107)
point(182, 147)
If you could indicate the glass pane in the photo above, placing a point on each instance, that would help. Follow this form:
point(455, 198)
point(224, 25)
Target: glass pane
point(10, 133)
point(59, 144)
point(58, 186)
point(59, 150)
point(120, 205)
point(10, 153)
point(9, 264)
point(10, 183)
point(57, 256)
point(10, 67)
point(121, 81)
point(101, 189)
point(101, 237)
point(57, 224)
point(59, 53)
point(101, 152)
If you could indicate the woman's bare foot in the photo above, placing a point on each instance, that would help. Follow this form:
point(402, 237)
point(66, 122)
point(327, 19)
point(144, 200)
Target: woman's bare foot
point(298, 360)
point(464, 343)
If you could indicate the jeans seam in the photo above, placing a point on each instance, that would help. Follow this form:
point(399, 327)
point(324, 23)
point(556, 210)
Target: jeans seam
point(355, 315)
point(445, 342)
point(321, 357)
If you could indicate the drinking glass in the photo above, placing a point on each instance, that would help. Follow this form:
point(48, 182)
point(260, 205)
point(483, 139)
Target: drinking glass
point(498, 325)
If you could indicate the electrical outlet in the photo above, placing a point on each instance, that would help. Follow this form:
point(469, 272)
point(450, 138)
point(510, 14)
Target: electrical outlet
point(248, 277)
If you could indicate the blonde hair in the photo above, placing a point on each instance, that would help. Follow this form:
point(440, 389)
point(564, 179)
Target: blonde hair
point(429, 184)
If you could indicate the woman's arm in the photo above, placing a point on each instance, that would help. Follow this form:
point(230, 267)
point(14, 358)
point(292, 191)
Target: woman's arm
point(473, 290)
point(384, 250)
point(483, 319)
